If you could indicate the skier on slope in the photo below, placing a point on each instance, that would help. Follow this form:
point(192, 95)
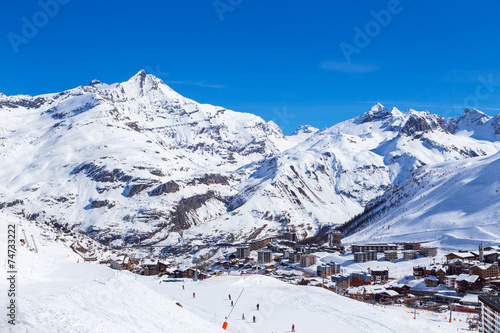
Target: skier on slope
point(293, 328)
point(194, 295)
point(257, 306)
point(242, 316)
point(229, 296)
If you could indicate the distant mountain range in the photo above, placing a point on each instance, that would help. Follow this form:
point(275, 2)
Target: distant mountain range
point(137, 162)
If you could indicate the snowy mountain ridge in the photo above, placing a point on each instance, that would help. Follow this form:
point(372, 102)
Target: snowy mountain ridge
point(136, 162)
point(455, 204)
point(476, 124)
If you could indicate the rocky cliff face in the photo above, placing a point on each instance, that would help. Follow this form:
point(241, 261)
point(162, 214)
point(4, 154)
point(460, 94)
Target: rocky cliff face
point(476, 124)
point(136, 162)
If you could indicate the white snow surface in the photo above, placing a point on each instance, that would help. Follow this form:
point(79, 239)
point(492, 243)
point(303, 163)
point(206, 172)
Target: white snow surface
point(453, 205)
point(55, 293)
point(91, 157)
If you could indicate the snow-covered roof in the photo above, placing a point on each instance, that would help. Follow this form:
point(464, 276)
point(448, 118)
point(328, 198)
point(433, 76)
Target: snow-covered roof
point(119, 258)
point(360, 290)
point(391, 292)
point(149, 262)
point(467, 277)
point(372, 289)
point(382, 269)
point(462, 254)
point(396, 285)
point(486, 253)
point(456, 260)
point(449, 293)
point(113, 257)
point(483, 266)
point(470, 298)
point(421, 286)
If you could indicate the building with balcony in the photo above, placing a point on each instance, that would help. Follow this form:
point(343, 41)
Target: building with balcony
point(265, 256)
point(490, 313)
point(242, 251)
point(391, 255)
point(428, 251)
point(307, 260)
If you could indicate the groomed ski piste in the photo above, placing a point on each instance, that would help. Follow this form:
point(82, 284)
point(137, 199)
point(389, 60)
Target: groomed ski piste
point(57, 292)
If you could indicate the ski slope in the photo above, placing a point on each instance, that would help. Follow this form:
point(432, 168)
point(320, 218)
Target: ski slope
point(310, 309)
point(57, 292)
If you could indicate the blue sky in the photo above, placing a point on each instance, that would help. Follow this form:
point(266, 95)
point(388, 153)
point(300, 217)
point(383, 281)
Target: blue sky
point(282, 60)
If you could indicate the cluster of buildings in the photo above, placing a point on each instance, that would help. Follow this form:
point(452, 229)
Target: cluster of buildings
point(152, 267)
point(464, 280)
point(376, 293)
point(460, 280)
point(369, 286)
point(469, 280)
point(286, 245)
point(463, 271)
point(369, 252)
point(269, 250)
point(357, 279)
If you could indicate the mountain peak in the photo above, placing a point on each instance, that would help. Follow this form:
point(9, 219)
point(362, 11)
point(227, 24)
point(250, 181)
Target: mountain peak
point(94, 82)
point(141, 73)
point(378, 107)
point(476, 124)
point(474, 115)
point(141, 83)
point(305, 129)
point(139, 77)
point(469, 120)
point(377, 112)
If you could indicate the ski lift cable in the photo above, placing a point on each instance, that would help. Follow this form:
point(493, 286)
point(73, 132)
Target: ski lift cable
point(235, 304)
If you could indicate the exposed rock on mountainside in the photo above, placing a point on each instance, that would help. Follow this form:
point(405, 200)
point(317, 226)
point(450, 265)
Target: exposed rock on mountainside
point(135, 161)
point(169, 187)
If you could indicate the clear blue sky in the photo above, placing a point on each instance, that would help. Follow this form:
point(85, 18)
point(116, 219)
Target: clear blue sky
point(281, 60)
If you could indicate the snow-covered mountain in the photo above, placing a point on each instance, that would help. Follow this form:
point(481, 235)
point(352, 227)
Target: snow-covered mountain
point(136, 162)
point(476, 124)
point(452, 203)
point(331, 176)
